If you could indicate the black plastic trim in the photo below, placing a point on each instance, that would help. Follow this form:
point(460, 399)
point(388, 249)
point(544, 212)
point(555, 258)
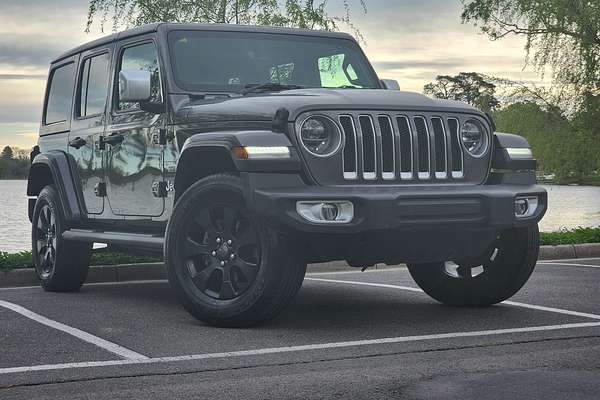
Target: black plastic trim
point(502, 161)
point(229, 140)
point(394, 207)
point(58, 165)
point(135, 240)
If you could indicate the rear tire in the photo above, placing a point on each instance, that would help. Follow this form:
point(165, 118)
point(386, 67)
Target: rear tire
point(511, 262)
point(227, 267)
point(61, 266)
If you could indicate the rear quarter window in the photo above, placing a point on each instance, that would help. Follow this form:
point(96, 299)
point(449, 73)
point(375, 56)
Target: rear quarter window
point(60, 94)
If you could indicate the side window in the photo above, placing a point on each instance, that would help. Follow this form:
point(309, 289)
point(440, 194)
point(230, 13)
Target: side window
point(94, 85)
point(334, 73)
point(60, 95)
point(142, 57)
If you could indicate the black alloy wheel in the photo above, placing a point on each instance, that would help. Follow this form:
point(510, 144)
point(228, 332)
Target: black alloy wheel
point(227, 265)
point(222, 251)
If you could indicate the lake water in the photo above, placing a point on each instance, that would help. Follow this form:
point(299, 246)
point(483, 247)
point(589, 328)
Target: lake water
point(569, 207)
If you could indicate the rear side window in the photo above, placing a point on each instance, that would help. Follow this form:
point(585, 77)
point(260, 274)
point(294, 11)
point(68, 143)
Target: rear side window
point(60, 95)
point(94, 86)
point(142, 57)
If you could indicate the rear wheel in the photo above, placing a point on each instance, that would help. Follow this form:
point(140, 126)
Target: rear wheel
point(61, 266)
point(227, 267)
point(502, 273)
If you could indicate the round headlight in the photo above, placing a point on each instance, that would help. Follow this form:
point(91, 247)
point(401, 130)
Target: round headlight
point(474, 137)
point(320, 136)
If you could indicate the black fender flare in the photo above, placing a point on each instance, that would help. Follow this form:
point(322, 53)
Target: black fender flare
point(211, 153)
point(53, 167)
point(502, 161)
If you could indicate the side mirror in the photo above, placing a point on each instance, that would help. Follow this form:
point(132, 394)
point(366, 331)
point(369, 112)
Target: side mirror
point(134, 86)
point(390, 84)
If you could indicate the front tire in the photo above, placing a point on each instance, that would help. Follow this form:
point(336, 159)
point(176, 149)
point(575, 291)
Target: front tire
point(61, 266)
point(227, 267)
point(507, 267)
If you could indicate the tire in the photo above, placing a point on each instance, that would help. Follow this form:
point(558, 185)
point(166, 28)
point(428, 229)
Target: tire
point(61, 266)
point(226, 266)
point(511, 262)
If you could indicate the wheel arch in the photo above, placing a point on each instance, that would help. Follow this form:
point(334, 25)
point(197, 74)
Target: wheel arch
point(53, 169)
point(198, 162)
point(211, 153)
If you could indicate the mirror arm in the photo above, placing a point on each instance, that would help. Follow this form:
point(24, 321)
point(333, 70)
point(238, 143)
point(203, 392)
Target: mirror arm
point(152, 107)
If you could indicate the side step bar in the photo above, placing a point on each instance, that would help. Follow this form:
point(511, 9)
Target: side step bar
point(135, 240)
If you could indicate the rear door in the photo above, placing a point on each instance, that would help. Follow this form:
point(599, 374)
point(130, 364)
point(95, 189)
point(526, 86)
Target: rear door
point(88, 126)
point(134, 159)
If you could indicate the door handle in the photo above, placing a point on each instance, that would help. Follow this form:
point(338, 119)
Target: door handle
point(77, 142)
point(113, 140)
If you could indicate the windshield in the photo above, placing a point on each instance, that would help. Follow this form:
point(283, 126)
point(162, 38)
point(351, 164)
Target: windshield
point(232, 61)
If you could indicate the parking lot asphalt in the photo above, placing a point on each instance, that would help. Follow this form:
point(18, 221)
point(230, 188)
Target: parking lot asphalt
point(347, 334)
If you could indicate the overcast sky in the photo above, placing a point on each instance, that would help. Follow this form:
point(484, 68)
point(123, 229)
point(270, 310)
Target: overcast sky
point(412, 41)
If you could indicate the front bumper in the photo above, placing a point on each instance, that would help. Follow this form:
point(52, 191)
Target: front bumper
point(390, 208)
point(395, 224)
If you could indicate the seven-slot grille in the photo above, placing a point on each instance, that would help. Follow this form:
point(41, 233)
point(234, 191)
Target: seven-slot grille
point(401, 147)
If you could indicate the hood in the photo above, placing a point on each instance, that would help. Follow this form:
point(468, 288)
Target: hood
point(262, 107)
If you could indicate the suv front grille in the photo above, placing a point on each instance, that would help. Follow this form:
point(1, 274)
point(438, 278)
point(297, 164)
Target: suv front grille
point(403, 147)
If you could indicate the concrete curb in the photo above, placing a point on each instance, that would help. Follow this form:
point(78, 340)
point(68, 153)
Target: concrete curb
point(156, 271)
point(569, 251)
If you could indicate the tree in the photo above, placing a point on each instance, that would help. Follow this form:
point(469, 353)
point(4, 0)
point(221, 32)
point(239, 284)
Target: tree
point(311, 14)
point(560, 144)
point(470, 87)
point(561, 34)
point(7, 153)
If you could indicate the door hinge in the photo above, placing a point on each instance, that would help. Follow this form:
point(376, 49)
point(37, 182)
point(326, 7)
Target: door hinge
point(159, 189)
point(100, 189)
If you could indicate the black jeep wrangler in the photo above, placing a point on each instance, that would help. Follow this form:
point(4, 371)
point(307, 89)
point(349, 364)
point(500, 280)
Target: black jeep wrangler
point(244, 153)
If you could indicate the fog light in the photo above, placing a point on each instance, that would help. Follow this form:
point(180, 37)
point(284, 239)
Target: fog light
point(525, 206)
point(329, 212)
point(326, 212)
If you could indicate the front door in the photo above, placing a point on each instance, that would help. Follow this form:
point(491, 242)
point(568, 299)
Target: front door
point(88, 126)
point(134, 156)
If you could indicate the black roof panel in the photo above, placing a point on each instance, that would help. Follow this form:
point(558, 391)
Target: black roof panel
point(148, 28)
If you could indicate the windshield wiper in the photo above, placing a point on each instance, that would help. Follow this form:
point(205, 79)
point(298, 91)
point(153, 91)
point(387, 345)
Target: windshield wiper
point(268, 87)
point(344, 87)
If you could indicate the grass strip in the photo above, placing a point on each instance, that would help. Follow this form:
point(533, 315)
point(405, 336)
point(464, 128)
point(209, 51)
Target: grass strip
point(23, 259)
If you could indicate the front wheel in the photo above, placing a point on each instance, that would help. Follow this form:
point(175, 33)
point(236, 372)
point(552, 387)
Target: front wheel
point(227, 267)
point(506, 268)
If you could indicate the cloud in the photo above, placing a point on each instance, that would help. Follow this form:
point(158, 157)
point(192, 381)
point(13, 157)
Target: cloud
point(18, 134)
point(447, 63)
point(19, 77)
point(26, 50)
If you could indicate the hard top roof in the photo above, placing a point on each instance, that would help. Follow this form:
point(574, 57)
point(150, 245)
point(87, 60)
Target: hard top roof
point(149, 28)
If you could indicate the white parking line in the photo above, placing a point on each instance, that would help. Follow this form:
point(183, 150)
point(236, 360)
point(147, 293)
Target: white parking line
point(132, 358)
point(557, 264)
point(413, 289)
point(144, 282)
point(290, 349)
point(86, 337)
